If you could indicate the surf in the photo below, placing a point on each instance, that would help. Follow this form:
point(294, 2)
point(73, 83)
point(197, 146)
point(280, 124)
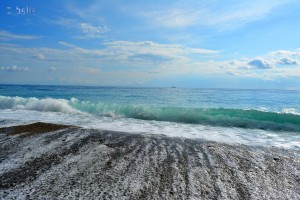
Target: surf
point(224, 117)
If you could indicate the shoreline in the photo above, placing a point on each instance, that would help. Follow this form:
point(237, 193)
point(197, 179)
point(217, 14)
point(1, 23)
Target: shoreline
point(44, 160)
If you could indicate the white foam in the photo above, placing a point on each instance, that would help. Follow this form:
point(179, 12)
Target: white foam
point(290, 111)
point(46, 105)
point(221, 134)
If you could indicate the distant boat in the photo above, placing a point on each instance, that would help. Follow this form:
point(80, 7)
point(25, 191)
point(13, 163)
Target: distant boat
point(173, 87)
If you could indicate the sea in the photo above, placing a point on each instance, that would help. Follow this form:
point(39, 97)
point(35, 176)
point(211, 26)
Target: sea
point(236, 116)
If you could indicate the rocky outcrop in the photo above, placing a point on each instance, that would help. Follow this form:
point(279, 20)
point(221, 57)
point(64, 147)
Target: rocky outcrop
point(70, 162)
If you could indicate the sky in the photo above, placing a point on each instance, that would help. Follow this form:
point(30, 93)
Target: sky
point(202, 44)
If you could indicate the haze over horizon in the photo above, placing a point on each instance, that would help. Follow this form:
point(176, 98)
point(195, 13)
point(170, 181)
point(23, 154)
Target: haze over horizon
point(215, 44)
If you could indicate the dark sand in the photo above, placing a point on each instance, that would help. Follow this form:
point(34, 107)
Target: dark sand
point(34, 128)
point(69, 162)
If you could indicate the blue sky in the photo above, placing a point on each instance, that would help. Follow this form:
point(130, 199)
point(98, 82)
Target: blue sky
point(229, 43)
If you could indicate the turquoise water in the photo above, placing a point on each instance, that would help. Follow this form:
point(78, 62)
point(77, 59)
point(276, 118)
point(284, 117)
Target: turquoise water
point(277, 112)
point(271, 100)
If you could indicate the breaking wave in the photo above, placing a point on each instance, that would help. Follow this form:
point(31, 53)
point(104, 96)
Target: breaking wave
point(44, 105)
point(254, 119)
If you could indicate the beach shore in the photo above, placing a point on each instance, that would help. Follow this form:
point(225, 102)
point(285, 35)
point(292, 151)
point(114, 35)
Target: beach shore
point(43, 160)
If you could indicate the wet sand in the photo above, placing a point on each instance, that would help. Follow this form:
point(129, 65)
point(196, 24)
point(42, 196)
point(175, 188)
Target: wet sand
point(31, 129)
point(50, 161)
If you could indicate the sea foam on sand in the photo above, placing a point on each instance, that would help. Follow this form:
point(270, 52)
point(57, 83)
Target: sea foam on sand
point(72, 162)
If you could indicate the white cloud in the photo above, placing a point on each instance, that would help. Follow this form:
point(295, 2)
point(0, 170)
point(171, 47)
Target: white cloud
point(174, 17)
point(5, 35)
point(14, 68)
point(80, 30)
point(92, 30)
point(92, 12)
point(283, 57)
point(134, 54)
point(284, 53)
point(220, 15)
point(267, 61)
point(149, 47)
point(116, 56)
point(39, 57)
point(248, 64)
point(260, 64)
point(270, 62)
point(287, 61)
point(127, 57)
point(66, 44)
point(89, 31)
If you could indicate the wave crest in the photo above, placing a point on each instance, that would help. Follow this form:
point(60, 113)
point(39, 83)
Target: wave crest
point(44, 105)
point(253, 119)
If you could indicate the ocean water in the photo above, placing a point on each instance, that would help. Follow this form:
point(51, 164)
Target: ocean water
point(252, 117)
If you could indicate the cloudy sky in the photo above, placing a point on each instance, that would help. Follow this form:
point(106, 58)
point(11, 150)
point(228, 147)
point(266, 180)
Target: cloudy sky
point(206, 44)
